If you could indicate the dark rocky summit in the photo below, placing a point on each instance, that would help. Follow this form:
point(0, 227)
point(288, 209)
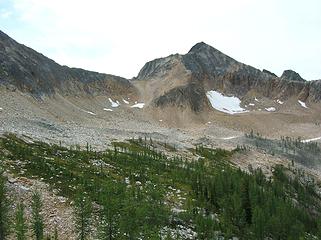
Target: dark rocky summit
point(292, 76)
point(29, 71)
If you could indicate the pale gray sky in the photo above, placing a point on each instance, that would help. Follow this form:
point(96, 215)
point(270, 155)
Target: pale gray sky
point(118, 37)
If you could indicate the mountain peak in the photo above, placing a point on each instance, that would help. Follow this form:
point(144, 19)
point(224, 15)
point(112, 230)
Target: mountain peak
point(292, 76)
point(200, 46)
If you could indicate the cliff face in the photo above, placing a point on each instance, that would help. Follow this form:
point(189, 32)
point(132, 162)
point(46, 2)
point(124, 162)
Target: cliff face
point(29, 71)
point(209, 69)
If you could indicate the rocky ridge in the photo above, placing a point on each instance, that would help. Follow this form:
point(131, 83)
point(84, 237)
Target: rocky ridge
point(174, 81)
point(24, 69)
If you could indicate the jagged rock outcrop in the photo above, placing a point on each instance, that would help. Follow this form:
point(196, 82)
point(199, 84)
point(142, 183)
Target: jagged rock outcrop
point(291, 75)
point(29, 71)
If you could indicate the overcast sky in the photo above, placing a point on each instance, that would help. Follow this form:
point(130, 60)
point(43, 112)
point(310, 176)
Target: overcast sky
point(119, 36)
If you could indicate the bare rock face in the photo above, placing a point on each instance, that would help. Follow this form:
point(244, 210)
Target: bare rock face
point(215, 70)
point(189, 95)
point(204, 59)
point(207, 68)
point(315, 90)
point(268, 72)
point(157, 67)
point(291, 75)
point(29, 71)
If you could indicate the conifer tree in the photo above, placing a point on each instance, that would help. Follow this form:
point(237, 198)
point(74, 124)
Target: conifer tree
point(83, 211)
point(245, 200)
point(37, 220)
point(109, 213)
point(20, 223)
point(258, 223)
point(129, 221)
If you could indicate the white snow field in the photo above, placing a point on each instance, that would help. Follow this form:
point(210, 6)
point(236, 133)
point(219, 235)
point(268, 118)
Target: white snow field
point(230, 105)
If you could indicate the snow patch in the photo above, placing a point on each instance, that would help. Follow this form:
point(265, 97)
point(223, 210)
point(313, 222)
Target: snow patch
point(311, 139)
point(113, 104)
point(270, 109)
point(125, 101)
point(1, 108)
point(138, 105)
point(279, 101)
point(255, 99)
point(230, 105)
point(302, 104)
point(229, 138)
point(91, 113)
point(108, 109)
point(251, 104)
